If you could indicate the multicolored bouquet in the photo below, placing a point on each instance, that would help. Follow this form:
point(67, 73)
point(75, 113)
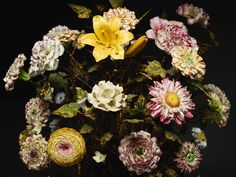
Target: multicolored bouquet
point(110, 102)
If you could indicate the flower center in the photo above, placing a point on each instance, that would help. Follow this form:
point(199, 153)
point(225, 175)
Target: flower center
point(33, 154)
point(34, 111)
point(65, 148)
point(191, 157)
point(172, 99)
point(139, 151)
point(201, 137)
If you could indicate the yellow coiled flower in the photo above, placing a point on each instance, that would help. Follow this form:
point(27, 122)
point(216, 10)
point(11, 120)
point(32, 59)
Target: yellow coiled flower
point(66, 147)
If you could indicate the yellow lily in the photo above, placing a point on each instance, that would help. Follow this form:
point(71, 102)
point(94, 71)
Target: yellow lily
point(107, 39)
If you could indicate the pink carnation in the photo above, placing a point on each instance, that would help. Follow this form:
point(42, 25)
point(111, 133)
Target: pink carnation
point(168, 34)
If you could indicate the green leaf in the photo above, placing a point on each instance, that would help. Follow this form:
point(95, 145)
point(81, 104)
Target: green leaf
point(86, 128)
point(130, 97)
point(82, 11)
point(171, 136)
point(133, 121)
point(81, 94)
point(58, 81)
point(116, 3)
point(44, 90)
point(153, 69)
point(67, 111)
point(105, 138)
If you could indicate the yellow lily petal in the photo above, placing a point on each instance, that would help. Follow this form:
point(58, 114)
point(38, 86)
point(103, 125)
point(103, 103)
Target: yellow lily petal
point(102, 29)
point(123, 36)
point(100, 52)
point(115, 24)
point(117, 52)
point(89, 39)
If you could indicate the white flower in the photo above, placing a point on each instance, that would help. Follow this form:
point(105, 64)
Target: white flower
point(64, 34)
point(45, 56)
point(128, 18)
point(99, 157)
point(13, 72)
point(107, 96)
point(200, 137)
point(220, 104)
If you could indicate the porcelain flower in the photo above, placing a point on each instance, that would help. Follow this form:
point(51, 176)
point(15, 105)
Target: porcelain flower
point(45, 56)
point(107, 96)
point(219, 103)
point(128, 18)
point(170, 102)
point(188, 62)
point(193, 14)
point(139, 152)
point(33, 152)
point(108, 39)
point(200, 137)
point(188, 157)
point(66, 147)
point(168, 34)
point(13, 72)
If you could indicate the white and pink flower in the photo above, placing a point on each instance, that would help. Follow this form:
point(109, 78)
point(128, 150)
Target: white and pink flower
point(188, 158)
point(168, 34)
point(193, 14)
point(139, 152)
point(33, 152)
point(170, 102)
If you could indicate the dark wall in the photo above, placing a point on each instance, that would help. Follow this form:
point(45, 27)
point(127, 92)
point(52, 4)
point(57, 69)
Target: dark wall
point(25, 22)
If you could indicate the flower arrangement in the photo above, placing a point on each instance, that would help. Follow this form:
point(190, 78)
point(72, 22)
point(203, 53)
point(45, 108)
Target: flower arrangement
point(111, 107)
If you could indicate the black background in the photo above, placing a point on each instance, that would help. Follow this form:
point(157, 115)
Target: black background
point(25, 22)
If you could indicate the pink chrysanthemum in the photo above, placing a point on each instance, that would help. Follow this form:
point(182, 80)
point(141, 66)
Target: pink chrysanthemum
point(170, 101)
point(33, 152)
point(139, 152)
point(168, 34)
point(188, 158)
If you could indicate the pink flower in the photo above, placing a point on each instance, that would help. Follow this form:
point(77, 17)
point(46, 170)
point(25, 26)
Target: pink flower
point(193, 14)
point(168, 34)
point(170, 101)
point(188, 158)
point(139, 152)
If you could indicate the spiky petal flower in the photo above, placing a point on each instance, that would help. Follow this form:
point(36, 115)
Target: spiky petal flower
point(64, 34)
point(66, 147)
point(128, 18)
point(107, 96)
point(13, 72)
point(168, 34)
point(200, 137)
point(37, 113)
point(219, 103)
point(45, 56)
point(33, 152)
point(188, 158)
point(139, 152)
point(170, 102)
point(188, 62)
point(193, 14)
